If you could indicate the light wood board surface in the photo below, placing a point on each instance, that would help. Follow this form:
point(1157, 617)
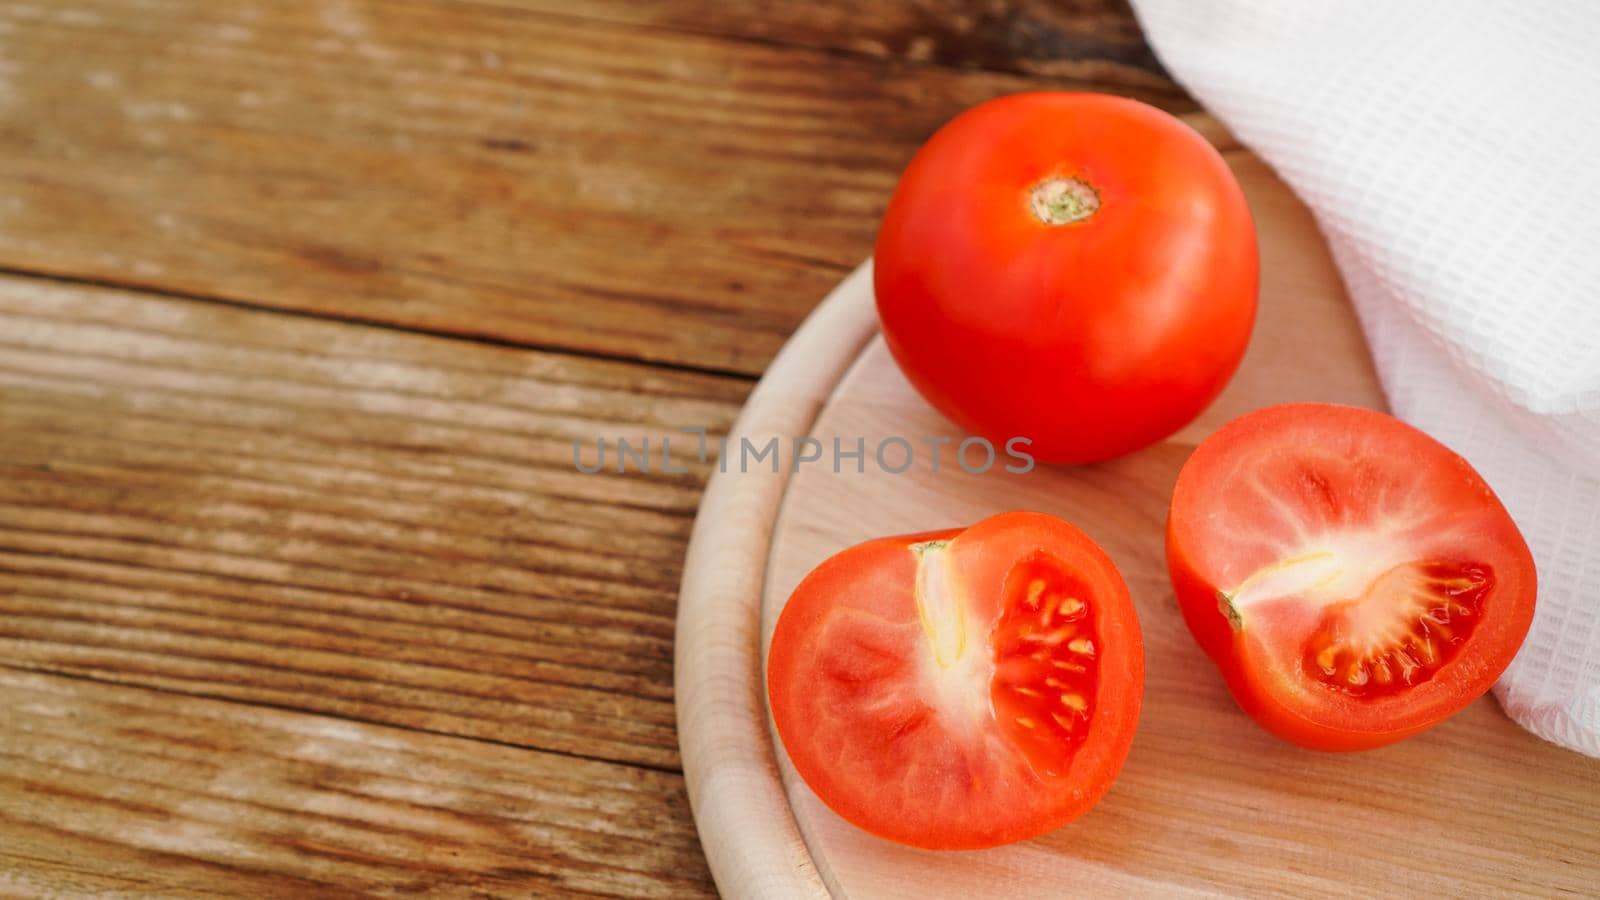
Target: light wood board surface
point(1208, 803)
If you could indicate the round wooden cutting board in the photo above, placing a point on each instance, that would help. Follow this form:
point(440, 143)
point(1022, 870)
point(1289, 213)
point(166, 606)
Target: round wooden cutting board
point(1208, 802)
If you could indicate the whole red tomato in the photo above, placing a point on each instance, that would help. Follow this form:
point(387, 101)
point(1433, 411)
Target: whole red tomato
point(1076, 269)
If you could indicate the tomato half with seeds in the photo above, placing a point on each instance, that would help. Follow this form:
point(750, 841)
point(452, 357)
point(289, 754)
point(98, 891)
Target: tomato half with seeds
point(960, 689)
point(1354, 579)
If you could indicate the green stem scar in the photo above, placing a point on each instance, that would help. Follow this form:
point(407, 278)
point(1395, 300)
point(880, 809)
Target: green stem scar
point(1303, 575)
point(1062, 201)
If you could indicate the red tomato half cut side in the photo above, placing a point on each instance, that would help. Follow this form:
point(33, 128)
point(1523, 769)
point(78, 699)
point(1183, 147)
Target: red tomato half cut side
point(960, 689)
point(1355, 580)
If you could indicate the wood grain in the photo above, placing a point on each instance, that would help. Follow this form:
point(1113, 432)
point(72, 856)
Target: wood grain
point(1208, 804)
point(343, 519)
point(1095, 41)
point(115, 789)
point(462, 167)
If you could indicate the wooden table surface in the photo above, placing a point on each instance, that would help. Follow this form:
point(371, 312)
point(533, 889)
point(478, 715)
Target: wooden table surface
point(302, 306)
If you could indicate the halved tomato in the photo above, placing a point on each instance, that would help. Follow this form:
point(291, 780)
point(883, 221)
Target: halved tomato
point(1355, 580)
point(960, 689)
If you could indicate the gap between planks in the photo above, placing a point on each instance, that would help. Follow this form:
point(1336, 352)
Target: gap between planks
point(488, 340)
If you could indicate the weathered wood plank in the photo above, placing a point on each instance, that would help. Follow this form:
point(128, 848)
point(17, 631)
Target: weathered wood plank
point(1097, 41)
point(462, 167)
point(109, 788)
point(342, 518)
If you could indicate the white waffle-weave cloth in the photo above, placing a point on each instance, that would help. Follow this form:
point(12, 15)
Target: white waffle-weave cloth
point(1451, 154)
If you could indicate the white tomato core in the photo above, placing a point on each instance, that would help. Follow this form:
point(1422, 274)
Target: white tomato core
point(958, 664)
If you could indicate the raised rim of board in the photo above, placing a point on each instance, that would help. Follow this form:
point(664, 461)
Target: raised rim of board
point(741, 810)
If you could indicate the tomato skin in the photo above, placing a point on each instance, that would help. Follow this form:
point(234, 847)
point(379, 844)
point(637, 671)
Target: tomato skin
point(1286, 701)
point(1092, 338)
point(853, 759)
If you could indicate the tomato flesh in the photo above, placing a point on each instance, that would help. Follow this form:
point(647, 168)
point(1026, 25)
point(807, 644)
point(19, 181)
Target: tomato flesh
point(1355, 581)
point(1429, 610)
point(960, 689)
point(1045, 665)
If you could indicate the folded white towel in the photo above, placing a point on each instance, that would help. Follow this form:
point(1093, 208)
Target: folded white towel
point(1451, 153)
